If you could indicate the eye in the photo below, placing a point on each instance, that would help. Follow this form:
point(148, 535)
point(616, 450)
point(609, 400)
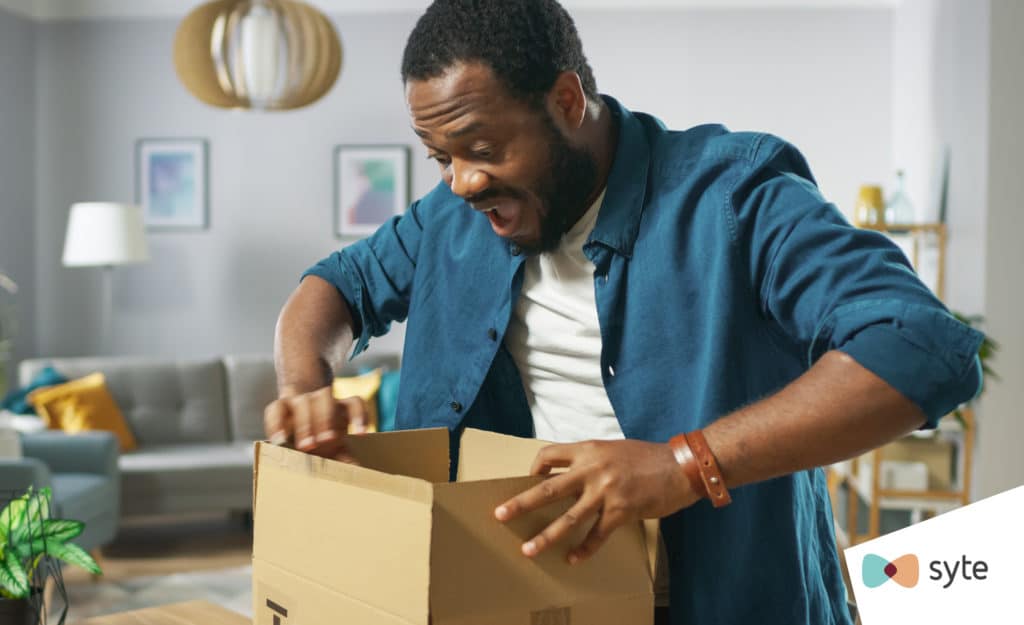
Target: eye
point(441, 159)
point(483, 152)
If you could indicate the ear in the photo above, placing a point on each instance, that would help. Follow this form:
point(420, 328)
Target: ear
point(567, 102)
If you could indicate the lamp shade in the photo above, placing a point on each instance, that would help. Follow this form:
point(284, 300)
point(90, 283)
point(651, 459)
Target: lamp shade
point(105, 233)
point(257, 54)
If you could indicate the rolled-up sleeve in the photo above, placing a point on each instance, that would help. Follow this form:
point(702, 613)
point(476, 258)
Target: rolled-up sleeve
point(375, 275)
point(830, 286)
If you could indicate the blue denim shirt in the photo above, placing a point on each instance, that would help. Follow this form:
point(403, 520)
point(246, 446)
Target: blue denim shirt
point(721, 275)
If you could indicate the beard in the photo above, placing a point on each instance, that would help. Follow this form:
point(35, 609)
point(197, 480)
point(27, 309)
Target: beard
point(563, 190)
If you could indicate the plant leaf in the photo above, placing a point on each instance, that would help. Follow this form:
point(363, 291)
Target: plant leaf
point(61, 530)
point(73, 554)
point(13, 577)
point(38, 507)
point(37, 510)
point(12, 515)
point(53, 531)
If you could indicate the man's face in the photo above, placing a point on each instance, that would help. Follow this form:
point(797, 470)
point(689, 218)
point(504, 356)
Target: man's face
point(507, 159)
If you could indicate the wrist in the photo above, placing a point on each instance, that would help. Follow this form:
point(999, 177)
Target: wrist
point(699, 466)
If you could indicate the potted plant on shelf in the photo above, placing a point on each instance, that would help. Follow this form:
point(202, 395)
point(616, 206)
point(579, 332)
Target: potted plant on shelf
point(27, 537)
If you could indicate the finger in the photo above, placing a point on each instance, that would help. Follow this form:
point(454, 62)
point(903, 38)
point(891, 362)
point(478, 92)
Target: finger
point(607, 522)
point(277, 422)
point(551, 457)
point(358, 415)
point(551, 489)
point(328, 424)
point(582, 511)
point(302, 422)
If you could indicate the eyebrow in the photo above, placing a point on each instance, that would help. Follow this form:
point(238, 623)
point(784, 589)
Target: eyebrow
point(451, 134)
point(465, 130)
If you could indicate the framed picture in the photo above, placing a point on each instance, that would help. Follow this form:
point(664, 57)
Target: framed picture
point(371, 185)
point(171, 182)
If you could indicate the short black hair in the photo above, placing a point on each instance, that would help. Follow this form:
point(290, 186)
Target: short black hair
point(526, 43)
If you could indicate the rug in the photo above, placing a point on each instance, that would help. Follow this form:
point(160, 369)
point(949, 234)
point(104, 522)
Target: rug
point(230, 588)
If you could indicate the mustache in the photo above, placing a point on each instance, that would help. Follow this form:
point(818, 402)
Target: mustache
point(492, 194)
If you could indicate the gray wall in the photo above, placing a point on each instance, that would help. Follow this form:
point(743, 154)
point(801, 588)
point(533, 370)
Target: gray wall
point(940, 100)
point(17, 154)
point(1001, 428)
point(103, 84)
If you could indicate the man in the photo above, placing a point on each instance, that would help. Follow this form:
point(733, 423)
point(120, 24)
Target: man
point(586, 276)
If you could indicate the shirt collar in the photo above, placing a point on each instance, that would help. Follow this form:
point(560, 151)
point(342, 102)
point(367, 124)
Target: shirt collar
point(618, 222)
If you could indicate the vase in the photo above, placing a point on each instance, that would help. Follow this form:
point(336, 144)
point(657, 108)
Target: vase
point(870, 207)
point(20, 611)
point(899, 209)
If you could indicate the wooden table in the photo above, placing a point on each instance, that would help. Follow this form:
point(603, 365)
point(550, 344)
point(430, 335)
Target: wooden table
point(189, 613)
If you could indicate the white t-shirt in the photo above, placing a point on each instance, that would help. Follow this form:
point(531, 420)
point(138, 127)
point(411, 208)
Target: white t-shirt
point(555, 340)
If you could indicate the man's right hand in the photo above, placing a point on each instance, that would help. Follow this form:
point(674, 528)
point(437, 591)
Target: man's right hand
point(315, 422)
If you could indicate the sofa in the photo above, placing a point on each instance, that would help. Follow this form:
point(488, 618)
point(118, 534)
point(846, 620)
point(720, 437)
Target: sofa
point(81, 471)
point(194, 421)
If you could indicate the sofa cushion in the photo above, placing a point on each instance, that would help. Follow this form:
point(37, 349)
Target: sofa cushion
point(83, 405)
point(17, 402)
point(252, 384)
point(164, 401)
point(187, 478)
point(83, 496)
point(187, 458)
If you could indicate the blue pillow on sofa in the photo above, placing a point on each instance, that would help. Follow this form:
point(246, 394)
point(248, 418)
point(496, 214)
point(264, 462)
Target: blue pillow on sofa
point(17, 400)
point(387, 400)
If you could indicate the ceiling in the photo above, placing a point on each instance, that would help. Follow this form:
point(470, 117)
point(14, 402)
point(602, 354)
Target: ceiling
point(113, 9)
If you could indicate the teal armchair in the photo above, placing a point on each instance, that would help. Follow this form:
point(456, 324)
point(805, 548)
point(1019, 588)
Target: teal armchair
point(82, 471)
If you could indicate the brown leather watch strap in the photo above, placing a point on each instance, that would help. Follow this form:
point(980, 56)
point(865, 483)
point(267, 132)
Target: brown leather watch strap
point(695, 457)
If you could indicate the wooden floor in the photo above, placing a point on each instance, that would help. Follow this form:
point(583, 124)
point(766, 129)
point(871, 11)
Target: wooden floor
point(164, 546)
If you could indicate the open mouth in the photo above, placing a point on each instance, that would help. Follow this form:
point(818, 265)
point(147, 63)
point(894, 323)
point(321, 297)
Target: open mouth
point(503, 215)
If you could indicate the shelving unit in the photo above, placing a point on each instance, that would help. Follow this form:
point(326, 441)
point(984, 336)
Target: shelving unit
point(862, 477)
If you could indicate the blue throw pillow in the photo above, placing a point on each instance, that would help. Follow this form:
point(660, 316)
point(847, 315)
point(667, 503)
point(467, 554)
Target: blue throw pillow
point(387, 400)
point(17, 400)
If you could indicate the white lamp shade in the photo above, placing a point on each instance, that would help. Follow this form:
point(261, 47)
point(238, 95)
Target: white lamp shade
point(105, 233)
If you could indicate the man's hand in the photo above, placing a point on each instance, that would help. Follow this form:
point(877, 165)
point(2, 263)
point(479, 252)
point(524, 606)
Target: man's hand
point(613, 482)
point(315, 422)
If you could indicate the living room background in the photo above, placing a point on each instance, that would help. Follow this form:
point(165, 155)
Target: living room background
point(880, 86)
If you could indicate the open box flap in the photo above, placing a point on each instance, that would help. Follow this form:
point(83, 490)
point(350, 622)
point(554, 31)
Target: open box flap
point(477, 566)
point(416, 453)
point(487, 456)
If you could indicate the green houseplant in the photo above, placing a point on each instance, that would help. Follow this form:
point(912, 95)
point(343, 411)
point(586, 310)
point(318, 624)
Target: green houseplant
point(27, 536)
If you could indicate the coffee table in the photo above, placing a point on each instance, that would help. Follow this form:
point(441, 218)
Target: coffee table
point(188, 613)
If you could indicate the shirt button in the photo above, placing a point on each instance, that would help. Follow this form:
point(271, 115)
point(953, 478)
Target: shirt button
point(515, 249)
point(611, 371)
point(492, 334)
point(456, 406)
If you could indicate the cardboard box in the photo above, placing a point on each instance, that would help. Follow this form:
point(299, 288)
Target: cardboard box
point(935, 453)
point(392, 542)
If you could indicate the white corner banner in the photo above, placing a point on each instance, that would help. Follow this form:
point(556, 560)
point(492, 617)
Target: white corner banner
point(962, 567)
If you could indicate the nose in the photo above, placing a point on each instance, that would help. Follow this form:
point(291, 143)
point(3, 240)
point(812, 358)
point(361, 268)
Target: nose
point(467, 181)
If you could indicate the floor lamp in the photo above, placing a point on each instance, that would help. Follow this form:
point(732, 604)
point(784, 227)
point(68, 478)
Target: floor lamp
point(104, 234)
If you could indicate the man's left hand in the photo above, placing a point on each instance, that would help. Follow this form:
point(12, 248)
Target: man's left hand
point(613, 483)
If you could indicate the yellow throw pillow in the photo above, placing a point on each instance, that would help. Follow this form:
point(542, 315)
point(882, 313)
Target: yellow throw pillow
point(365, 386)
point(82, 405)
